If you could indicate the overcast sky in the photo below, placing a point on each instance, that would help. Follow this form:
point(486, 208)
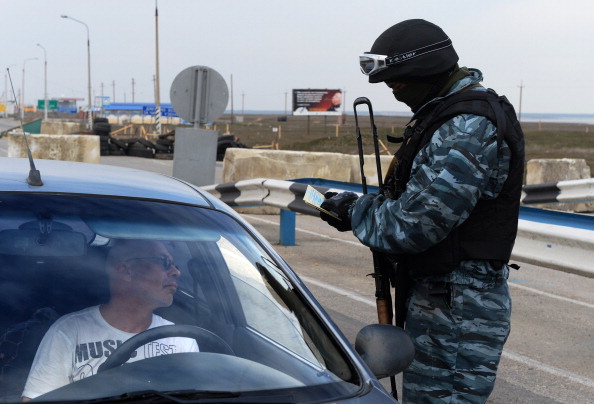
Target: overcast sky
point(270, 47)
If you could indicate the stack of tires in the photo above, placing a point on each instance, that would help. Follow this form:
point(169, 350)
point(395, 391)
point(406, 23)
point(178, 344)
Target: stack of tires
point(102, 128)
point(139, 147)
point(226, 141)
point(164, 146)
point(117, 147)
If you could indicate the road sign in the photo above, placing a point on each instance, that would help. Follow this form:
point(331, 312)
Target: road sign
point(165, 111)
point(199, 94)
point(52, 105)
point(102, 101)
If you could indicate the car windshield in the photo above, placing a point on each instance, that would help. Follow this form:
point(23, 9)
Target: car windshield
point(78, 274)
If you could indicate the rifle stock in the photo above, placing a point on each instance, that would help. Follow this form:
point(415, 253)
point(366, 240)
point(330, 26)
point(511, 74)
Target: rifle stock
point(383, 296)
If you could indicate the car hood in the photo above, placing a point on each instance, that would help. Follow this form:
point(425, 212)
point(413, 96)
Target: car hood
point(94, 179)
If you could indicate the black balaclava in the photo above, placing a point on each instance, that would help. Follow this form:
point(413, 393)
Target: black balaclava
point(417, 93)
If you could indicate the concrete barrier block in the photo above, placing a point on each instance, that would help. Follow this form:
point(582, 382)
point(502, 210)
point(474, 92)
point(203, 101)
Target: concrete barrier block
point(56, 127)
point(241, 164)
point(542, 171)
point(369, 167)
point(244, 164)
point(83, 148)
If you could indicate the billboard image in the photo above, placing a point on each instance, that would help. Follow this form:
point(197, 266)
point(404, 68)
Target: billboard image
point(317, 102)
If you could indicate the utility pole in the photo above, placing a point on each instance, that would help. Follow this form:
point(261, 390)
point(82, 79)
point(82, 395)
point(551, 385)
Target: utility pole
point(520, 107)
point(45, 104)
point(23, 89)
point(6, 94)
point(133, 90)
point(231, 99)
point(344, 104)
point(113, 89)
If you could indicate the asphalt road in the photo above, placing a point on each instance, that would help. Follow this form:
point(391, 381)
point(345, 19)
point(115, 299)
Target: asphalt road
point(549, 356)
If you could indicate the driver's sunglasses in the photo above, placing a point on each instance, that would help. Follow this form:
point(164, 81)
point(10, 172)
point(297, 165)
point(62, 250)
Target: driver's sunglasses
point(165, 262)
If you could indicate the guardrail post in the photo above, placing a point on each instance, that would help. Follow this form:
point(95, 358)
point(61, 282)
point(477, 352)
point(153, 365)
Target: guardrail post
point(287, 227)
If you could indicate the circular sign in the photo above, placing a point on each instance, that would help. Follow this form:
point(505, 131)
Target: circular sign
point(199, 94)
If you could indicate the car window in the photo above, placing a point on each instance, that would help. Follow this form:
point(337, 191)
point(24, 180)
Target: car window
point(233, 306)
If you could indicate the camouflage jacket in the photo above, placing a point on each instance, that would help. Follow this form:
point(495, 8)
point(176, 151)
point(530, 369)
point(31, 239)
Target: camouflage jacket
point(458, 167)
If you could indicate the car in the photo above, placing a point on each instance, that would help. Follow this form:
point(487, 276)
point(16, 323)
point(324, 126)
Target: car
point(262, 336)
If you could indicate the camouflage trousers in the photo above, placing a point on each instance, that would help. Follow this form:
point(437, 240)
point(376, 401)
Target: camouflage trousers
point(458, 333)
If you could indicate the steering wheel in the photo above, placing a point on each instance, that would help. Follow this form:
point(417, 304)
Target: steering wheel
point(204, 337)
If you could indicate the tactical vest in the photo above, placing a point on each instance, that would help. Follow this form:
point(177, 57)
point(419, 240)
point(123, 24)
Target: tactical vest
point(490, 230)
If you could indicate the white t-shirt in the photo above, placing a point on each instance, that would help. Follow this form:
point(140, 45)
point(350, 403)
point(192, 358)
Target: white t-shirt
point(77, 343)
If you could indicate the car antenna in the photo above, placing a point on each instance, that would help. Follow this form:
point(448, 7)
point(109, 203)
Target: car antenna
point(34, 178)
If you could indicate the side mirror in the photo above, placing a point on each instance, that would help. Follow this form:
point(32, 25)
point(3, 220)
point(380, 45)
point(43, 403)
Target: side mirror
point(385, 348)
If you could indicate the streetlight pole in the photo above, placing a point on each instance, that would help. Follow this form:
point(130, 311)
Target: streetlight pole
point(90, 111)
point(23, 90)
point(45, 104)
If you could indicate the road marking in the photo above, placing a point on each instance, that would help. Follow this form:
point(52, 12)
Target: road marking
point(548, 369)
point(507, 354)
point(338, 291)
point(552, 296)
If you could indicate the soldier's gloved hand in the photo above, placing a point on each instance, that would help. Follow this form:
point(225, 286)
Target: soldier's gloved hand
point(339, 204)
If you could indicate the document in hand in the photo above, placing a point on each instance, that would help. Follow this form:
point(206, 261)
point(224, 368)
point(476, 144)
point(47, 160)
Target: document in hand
point(314, 198)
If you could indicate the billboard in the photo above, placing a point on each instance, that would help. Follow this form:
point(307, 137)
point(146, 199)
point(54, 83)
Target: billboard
point(317, 102)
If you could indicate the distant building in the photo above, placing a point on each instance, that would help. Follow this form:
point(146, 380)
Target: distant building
point(68, 105)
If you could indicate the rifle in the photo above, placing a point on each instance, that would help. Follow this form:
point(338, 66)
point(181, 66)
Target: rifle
point(381, 266)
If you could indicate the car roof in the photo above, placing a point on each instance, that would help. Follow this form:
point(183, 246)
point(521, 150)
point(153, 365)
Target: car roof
point(97, 179)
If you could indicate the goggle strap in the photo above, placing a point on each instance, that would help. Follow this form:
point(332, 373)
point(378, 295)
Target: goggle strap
point(403, 57)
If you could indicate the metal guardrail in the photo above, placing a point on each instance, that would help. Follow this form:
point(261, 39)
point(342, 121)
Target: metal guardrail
point(553, 239)
point(551, 244)
point(561, 191)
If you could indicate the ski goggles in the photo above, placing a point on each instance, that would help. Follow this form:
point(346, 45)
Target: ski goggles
point(372, 63)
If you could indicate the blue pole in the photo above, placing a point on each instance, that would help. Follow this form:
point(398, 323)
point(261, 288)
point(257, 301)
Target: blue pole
point(287, 227)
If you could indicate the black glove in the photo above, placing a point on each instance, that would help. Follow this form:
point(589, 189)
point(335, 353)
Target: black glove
point(338, 204)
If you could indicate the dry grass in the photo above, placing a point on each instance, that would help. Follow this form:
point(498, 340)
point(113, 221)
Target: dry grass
point(546, 140)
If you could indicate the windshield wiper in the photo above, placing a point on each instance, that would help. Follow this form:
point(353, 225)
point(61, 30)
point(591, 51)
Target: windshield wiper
point(156, 397)
point(187, 397)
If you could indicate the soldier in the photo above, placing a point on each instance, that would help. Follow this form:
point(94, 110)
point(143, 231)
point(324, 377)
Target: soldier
point(447, 215)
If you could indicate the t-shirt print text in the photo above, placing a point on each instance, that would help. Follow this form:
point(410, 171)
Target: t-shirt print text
point(100, 349)
point(88, 355)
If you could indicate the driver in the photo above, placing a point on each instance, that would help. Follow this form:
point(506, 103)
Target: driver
point(142, 277)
